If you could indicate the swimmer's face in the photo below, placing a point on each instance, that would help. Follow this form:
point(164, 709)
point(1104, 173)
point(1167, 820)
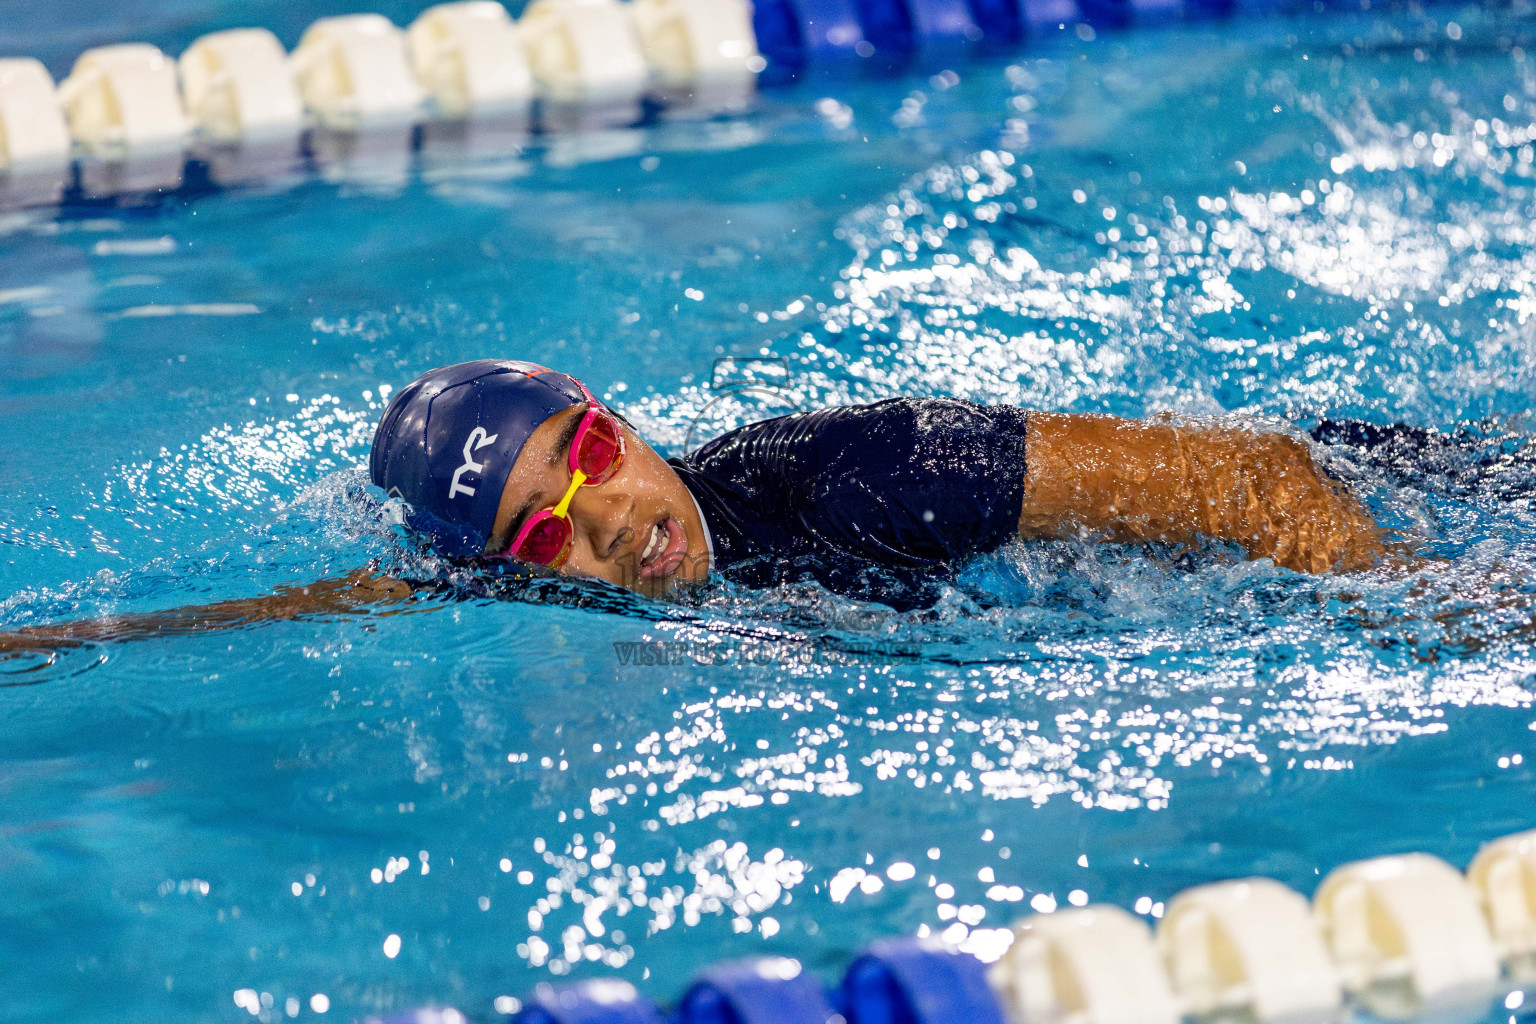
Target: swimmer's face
point(638, 528)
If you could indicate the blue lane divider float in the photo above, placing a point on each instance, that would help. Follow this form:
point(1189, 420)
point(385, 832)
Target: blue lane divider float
point(777, 27)
point(831, 28)
point(1000, 21)
point(1114, 14)
point(894, 981)
point(910, 981)
point(1212, 8)
point(775, 990)
point(599, 1001)
point(944, 23)
point(794, 33)
point(1043, 15)
point(888, 26)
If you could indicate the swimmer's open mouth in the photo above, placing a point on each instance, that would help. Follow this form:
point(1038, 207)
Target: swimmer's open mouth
point(664, 549)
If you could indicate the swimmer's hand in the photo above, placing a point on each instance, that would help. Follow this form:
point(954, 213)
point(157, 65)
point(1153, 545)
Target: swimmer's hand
point(353, 593)
point(1132, 481)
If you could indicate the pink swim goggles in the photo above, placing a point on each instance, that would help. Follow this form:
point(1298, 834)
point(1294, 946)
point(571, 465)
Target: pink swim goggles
point(597, 452)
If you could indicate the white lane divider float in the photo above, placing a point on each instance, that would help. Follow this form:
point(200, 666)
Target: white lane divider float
point(124, 111)
point(584, 50)
point(241, 97)
point(33, 135)
point(1407, 934)
point(1095, 965)
point(1249, 950)
point(685, 40)
point(237, 86)
point(353, 72)
point(1405, 937)
point(122, 100)
point(1504, 875)
point(470, 58)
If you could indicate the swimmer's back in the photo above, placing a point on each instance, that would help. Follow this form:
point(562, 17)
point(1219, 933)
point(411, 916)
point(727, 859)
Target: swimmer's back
point(907, 484)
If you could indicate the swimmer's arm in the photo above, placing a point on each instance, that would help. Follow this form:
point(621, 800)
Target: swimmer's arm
point(1133, 481)
point(344, 595)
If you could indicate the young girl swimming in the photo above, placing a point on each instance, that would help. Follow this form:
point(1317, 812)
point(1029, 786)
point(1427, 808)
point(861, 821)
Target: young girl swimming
point(502, 462)
point(509, 460)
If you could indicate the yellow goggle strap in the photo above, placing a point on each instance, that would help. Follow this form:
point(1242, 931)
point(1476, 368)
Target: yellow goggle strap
point(577, 479)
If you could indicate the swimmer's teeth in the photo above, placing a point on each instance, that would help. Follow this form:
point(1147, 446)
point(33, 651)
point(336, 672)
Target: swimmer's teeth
point(651, 548)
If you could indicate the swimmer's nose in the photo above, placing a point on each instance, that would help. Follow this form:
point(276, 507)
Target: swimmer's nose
point(605, 515)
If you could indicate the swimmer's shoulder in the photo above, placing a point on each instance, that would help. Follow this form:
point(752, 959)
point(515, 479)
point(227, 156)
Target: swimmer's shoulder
point(901, 429)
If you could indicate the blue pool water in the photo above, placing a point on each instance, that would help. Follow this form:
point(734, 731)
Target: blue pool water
point(1267, 221)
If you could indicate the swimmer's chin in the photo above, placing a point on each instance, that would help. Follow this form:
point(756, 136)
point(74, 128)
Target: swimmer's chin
point(691, 573)
point(667, 563)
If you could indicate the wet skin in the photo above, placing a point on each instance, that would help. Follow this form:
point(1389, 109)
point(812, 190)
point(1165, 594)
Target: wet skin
point(613, 522)
point(1133, 480)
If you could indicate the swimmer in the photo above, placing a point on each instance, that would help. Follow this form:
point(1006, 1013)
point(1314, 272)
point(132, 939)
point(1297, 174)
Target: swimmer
point(507, 465)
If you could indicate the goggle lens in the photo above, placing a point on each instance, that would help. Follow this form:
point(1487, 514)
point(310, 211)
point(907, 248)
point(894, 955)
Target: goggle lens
point(600, 449)
point(547, 542)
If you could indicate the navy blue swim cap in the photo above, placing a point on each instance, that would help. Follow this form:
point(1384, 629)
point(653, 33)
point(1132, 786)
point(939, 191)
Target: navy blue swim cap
point(448, 441)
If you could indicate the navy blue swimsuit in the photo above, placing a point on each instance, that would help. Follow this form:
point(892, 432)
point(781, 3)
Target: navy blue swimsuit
point(879, 501)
